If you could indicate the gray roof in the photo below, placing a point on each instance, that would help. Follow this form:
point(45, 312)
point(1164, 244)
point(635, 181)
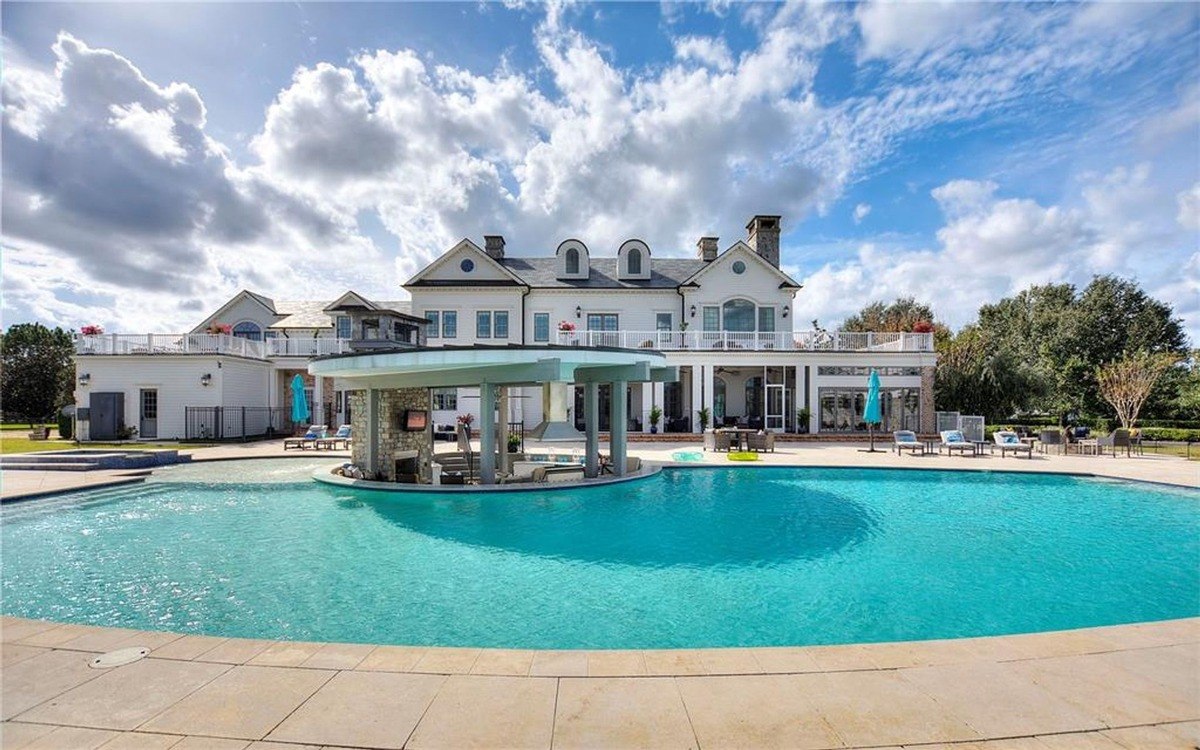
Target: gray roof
point(311, 314)
point(542, 273)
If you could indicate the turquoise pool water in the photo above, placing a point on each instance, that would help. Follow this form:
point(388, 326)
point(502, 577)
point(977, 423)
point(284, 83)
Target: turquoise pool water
point(689, 558)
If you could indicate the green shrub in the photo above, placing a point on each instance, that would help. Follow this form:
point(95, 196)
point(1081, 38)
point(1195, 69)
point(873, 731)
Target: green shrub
point(65, 425)
point(1171, 433)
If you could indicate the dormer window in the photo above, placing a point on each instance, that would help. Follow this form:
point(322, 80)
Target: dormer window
point(633, 262)
point(572, 261)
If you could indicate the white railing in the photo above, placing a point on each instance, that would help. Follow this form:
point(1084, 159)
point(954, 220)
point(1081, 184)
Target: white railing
point(168, 343)
point(306, 347)
point(838, 341)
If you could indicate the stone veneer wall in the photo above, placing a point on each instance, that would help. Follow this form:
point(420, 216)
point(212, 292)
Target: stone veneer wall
point(928, 413)
point(392, 404)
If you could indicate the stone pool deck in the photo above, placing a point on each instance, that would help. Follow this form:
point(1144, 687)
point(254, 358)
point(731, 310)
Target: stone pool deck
point(1135, 687)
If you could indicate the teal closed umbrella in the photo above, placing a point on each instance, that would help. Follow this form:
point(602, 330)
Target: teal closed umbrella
point(872, 413)
point(299, 401)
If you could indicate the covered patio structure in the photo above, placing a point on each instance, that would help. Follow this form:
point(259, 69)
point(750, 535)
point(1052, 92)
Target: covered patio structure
point(390, 385)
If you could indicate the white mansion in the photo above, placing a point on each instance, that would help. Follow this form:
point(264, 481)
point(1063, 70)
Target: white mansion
point(723, 318)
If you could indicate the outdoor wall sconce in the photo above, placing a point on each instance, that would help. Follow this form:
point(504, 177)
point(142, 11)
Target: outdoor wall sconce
point(578, 311)
point(85, 379)
point(785, 311)
point(693, 311)
point(206, 379)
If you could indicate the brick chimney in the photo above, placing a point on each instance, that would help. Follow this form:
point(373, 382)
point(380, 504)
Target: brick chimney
point(706, 249)
point(763, 237)
point(493, 245)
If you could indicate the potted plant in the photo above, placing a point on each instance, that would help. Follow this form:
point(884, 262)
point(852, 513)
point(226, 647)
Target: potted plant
point(465, 420)
point(703, 416)
point(514, 442)
point(566, 331)
point(92, 330)
point(683, 326)
point(655, 416)
point(802, 417)
point(224, 328)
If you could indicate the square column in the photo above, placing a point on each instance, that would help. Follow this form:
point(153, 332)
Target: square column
point(696, 384)
point(618, 427)
point(487, 434)
point(814, 402)
point(591, 419)
point(709, 394)
point(372, 455)
point(319, 398)
point(502, 430)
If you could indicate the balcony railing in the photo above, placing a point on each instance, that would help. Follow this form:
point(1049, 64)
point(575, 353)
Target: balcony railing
point(207, 343)
point(833, 341)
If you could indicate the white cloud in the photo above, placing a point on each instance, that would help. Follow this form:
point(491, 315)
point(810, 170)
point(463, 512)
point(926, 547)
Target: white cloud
point(1188, 214)
point(894, 28)
point(706, 50)
point(153, 130)
point(861, 211)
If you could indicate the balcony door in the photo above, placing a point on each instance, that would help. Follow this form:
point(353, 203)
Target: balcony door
point(603, 329)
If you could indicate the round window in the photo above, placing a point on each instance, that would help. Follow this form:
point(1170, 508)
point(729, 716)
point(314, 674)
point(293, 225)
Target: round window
point(467, 265)
point(739, 267)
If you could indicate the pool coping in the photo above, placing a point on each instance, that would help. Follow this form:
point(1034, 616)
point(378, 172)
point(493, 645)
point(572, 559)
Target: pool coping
point(325, 477)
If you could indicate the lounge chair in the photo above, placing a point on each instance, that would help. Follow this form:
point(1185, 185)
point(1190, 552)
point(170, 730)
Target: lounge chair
point(315, 432)
point(1010, 441)
point(1118, 439)
point(341, 436)
point(906, 440)
point(953, 440)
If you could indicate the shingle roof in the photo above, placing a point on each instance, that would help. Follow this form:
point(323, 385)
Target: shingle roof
point(311, 314)
point(541, 273)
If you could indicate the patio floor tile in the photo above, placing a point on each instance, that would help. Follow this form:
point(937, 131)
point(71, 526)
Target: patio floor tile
point(71, 738)
point(285, 654)
point(16, 735)
point(210, 743)
point(338, 656)
point(785, 659)
point(32, 681)
point(234, 651)
point(151, 639)
point(124, 697)
point(55, 636)
point(721, 661)
point(997, 701)
point(362, 709)
point(754, 712)
point(98, 639)
point(1081, 741)
point(188, 647)
point(391, 659)
point(11, 653)
point(880, 708)
point(446, 660)
point(559, 664)
point(621, 712)
point(246, 702)
point(508, 662)
point(616, 664)
point(668, 662)
point(141, 741)
point(13, 629)
point(1161, 737)
point(519, 713)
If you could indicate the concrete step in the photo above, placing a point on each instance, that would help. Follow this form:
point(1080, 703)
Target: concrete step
point(25, 466)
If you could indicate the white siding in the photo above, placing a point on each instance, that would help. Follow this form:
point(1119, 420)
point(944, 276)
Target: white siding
point(245, 383)
point(466, 302)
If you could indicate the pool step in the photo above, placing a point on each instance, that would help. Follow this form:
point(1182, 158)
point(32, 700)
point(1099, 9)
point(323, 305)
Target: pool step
point(87, 460)
point(57, 466)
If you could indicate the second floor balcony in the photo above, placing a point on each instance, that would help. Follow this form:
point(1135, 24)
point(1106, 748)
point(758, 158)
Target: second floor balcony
point(208, 343)
point(832, 341)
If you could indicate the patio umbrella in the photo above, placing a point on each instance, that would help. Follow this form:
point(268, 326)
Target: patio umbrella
point(299, 401)
point(872, 413)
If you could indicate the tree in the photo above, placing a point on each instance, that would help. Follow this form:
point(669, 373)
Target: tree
point(36, 372)
point(901, 316)
point(1063, 336)
point(1127, 382)
point(975, 376)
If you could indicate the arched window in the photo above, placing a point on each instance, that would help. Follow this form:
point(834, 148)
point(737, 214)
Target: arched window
point(633, 260)
point(248, 330)
point(572, 260)
point(738, 315)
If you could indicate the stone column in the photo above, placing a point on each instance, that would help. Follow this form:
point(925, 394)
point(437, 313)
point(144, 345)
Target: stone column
point(618, 427)
point(591, 418)
point(371, 458)
point(487, 433)
point(928, 413)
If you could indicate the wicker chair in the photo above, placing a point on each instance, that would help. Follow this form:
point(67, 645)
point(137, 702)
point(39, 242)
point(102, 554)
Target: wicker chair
point(761, 441)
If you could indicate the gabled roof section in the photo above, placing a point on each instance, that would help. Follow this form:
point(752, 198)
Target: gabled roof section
point(507, 277)
point(351, 300)
point(266, 302)
point(741, 248)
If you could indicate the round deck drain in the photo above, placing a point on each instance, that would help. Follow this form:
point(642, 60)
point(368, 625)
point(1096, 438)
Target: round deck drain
point(119, 657)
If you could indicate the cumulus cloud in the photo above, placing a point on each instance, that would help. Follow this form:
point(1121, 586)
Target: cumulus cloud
point(861, 211)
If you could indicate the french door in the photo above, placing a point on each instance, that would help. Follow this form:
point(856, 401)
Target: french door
point(776, 406)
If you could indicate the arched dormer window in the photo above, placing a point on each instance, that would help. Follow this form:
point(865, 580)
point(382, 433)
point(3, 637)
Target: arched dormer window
point(572, 261)
point(248, 329)
point(738, 315)
point(633, 262)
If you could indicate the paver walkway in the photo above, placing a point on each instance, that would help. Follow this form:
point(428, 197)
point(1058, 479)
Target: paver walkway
point(1134, 686)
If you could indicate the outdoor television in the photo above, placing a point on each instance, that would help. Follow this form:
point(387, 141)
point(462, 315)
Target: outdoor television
point(414, 420)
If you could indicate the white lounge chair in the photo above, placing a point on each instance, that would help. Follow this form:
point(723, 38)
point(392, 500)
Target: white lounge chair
point(1010, 441)
point(953, 440)
point(906, 440)
point(341, 436)
point(315, 432)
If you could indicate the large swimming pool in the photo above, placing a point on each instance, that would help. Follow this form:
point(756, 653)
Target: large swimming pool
point(691, 557)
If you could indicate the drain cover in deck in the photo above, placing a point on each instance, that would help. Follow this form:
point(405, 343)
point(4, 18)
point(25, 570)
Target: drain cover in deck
point(119, 657)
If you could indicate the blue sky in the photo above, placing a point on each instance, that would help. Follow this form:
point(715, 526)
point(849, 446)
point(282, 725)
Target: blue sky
point(158, 157)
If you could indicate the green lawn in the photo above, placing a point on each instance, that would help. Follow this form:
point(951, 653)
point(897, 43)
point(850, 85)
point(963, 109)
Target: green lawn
point(25, 445)
point(22, 427)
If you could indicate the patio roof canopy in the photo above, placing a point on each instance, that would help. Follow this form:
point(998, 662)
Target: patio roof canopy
point(495, 365)
point(493, 368)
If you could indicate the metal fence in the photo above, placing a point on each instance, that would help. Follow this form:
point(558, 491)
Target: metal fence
point(235, 422)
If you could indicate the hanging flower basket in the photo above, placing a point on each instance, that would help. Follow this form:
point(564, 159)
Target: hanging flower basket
point(92, 330)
